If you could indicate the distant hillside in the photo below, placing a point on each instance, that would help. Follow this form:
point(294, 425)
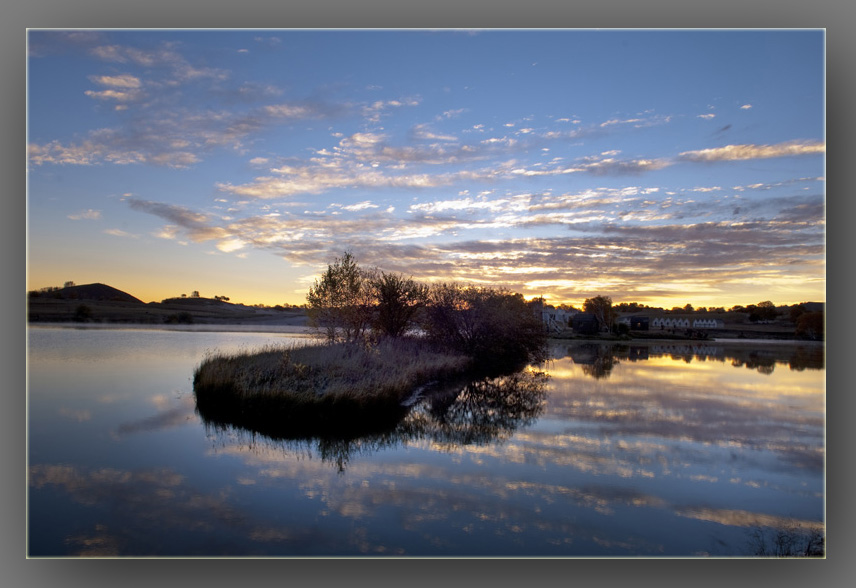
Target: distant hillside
point(101, 292)
point(197, 301)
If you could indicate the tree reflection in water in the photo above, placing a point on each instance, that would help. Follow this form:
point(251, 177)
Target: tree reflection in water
point(598, 359)
point(482, 411)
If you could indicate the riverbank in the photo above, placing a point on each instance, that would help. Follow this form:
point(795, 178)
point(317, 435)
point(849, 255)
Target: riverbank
point(749, 331)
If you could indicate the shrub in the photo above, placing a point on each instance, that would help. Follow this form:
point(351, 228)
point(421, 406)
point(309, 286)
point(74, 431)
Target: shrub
point(491, 325)
point(183, 317)
point(82, 313)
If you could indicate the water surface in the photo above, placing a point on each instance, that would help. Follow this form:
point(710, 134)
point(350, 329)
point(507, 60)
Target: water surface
point(629, 451)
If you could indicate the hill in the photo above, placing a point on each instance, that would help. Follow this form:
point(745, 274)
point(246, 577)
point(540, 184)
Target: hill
point(99, 292)
point(100, 303)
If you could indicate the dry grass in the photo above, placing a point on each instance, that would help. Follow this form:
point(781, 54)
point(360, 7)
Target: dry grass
point(337, 378)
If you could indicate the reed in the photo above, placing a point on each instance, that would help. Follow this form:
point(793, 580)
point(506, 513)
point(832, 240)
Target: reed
point(330, 380)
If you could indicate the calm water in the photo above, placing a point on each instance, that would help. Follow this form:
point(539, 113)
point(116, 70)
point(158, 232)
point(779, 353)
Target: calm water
point(637, 451)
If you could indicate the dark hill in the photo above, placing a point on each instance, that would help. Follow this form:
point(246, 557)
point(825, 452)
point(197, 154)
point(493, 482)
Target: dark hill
point(101, 292)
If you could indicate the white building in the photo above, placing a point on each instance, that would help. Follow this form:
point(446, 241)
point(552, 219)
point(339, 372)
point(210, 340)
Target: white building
point(670, 323)
point(556, 319)
point(708, 324)
point(684, 323)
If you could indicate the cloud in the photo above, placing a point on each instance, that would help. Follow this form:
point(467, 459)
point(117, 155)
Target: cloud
point(744, 152)
point(706, 116)
point(176, 138)
point(86, 215)
point(315, 180)
point(230, 245)
point(112, 95)
point(126, 81)
point(423, 132)
point(119, 233)
point(616, 121)
point(746, 107)
point(162, 57)
point(611, 166)
point(377, 109)
point(346, 165)
point(451, 113)
point(175, 214)
point(360, 206)
point(291, 111)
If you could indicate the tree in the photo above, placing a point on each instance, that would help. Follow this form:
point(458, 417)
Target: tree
point(766, 310)
point(796, 311)
point(601, 308)
point(340, 302)
point(810, 325)
point(398, 300)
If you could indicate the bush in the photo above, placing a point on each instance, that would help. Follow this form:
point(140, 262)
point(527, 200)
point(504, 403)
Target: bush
point(183, 317)
point(82, 313)
point(491, 325)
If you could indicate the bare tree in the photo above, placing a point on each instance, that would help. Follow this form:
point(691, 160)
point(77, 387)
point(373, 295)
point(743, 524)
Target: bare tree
point(340, 301)
point(398, 300)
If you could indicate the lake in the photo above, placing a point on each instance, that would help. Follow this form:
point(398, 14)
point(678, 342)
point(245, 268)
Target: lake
point(655, 449)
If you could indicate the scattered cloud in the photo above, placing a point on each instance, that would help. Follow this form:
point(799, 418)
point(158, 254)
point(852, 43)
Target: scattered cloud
point(743, 152)
point(86, 215)
point(162, 57)
point(119, 233)
point(381, 173)
point(423, 132)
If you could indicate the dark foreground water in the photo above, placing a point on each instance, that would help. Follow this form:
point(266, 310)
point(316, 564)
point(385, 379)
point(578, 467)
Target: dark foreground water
point(645, 450)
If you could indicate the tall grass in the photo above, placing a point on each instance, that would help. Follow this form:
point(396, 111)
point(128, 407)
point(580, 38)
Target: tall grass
point(332, 382)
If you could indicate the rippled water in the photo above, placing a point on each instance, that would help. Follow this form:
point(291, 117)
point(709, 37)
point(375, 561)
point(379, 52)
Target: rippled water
point(633, 450)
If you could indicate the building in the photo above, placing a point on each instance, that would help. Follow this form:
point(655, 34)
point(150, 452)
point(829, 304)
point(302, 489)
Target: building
point(635, 323)
point(584, 323)
point(708, 324)
point(556, 319)
point(664, 323)
point(670, 323)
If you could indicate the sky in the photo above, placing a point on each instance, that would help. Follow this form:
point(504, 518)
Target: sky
point(663, 167)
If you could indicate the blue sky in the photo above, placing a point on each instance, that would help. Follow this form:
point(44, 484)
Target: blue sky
point(663, 167)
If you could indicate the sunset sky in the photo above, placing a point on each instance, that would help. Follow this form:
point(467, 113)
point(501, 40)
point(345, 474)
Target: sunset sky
point(662, 167)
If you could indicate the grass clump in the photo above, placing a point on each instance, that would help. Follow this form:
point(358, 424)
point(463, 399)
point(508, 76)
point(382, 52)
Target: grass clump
point(318, 385)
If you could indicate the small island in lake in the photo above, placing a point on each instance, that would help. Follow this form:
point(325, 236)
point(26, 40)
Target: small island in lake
point(385, 338)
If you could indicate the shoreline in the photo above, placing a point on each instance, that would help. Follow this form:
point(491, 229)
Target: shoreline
point(290, 329)
point(200, 327)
